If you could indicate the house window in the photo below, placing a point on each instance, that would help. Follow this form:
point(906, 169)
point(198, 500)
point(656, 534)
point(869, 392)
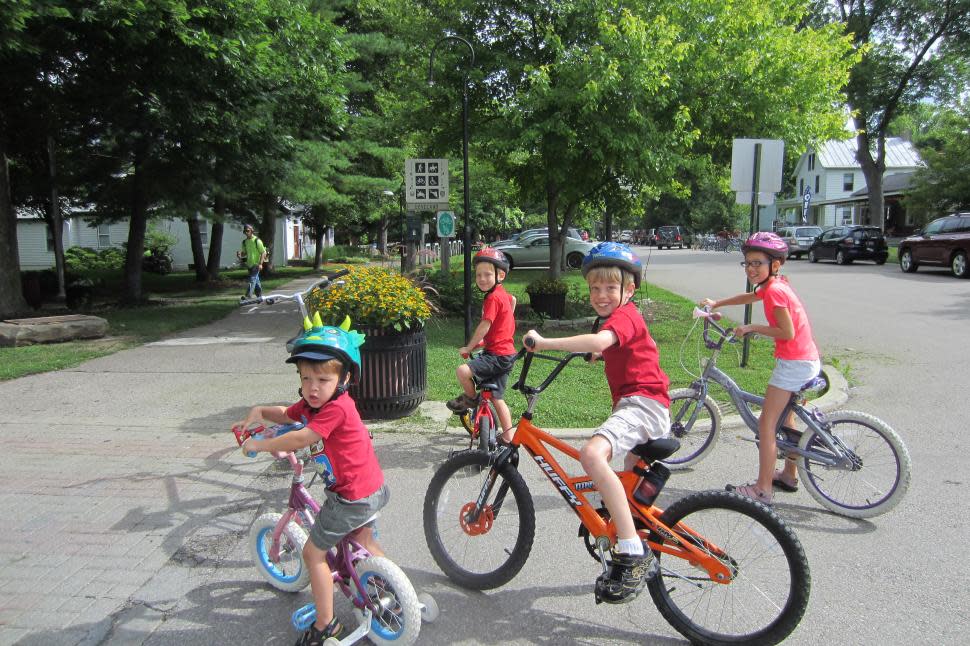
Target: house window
point(848, 182)
point(811, 162)
point(104, 238)
point(846, 216)
point(801, 186)
point(204, 233)
point(816, 184)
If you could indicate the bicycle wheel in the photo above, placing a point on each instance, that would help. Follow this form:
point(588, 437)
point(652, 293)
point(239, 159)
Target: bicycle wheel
point(486, 430)
point(695, 423)
point(489, 551)
point(289, 574)
point(768, 594)
point(398, 616)
point(880, 479)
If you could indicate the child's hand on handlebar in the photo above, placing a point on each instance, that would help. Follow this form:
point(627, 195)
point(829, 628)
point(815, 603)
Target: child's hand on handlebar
point(741, 330)
point(532, 341)
point(706, 302)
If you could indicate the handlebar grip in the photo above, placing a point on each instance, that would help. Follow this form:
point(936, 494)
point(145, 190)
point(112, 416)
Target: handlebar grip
point(529, 342)
point(465, 355)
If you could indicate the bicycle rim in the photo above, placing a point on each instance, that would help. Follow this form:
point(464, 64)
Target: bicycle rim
point(876, 485)
point(696, 439)
point(768, 593)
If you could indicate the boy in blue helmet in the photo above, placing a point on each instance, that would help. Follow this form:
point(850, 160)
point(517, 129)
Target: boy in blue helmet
point(328, 360)
point(640, 402)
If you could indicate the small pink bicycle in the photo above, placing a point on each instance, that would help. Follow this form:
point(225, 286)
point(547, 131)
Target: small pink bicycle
point(385, 604)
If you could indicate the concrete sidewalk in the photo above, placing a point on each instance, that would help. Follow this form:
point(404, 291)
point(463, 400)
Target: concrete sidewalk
point(125, 501)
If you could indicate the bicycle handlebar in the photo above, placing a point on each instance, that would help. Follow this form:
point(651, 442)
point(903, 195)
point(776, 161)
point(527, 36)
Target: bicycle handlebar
point(710, 317)
point(243, 434)
point(529, 355)
point(271, 299)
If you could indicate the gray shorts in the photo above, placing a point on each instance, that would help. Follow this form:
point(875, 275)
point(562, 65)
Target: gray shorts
point(339, 516)
point(635, 420)
point(495, 368)
point(792, 374)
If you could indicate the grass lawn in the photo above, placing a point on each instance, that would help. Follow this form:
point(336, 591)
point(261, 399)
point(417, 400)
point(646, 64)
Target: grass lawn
point(578, 398)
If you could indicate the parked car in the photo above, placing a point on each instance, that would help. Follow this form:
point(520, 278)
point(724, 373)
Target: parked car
point(799, 238)
point(945, 242)
point(626, 236)
point(534, 252)
point(848, 243)
point(528, 233)
point(669, 236)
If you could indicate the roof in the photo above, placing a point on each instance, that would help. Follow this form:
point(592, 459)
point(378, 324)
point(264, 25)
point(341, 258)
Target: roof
point(900, 153)
point(895, 183)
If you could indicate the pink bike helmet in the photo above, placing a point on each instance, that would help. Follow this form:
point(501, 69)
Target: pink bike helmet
point(768, 243)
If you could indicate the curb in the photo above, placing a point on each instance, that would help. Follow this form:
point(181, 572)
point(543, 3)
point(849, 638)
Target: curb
point(835, 396)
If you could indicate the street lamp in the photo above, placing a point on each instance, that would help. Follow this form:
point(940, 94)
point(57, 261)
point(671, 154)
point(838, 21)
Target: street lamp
point(467, 234)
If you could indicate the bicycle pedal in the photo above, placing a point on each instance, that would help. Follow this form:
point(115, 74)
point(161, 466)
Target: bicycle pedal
point(303, 617)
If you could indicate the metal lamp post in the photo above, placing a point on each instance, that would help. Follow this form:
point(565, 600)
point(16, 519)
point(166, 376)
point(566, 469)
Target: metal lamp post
point(467, 233)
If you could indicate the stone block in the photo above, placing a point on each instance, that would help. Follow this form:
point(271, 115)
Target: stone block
point(51, 329)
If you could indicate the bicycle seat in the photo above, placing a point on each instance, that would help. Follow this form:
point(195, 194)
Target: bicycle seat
point(816, 383)
point(656, 449)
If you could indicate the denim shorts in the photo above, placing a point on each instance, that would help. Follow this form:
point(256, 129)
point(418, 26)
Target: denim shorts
point(792, 374)
point(494, 368)
point(635, 420)
point(339, 516)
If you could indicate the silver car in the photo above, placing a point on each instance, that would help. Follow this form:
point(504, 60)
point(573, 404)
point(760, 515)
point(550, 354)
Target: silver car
point(799, 238)
point(534, 252)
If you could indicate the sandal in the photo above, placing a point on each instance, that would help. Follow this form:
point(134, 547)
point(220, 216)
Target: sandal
point(751, 491)
point(779, 481)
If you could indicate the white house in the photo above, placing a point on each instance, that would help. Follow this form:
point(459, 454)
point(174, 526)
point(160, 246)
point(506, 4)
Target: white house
point(835, 180)
point(36, 245)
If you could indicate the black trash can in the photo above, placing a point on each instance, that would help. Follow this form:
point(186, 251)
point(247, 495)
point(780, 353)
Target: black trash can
point(551, 305)
point(393, 373)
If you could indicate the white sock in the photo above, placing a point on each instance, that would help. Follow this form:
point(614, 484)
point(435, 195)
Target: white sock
point(630, 546)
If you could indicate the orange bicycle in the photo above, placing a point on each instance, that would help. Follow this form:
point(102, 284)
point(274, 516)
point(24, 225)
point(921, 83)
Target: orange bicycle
point(725, 569)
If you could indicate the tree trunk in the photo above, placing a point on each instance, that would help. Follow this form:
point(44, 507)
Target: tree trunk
point(382, 237)
point(136, 230)
point(872, 170)
point(318, 233)
point(55, 221)
point(198, 253)
point(267, 229)
point(12, 300)
point(552, 223)
point(215, 237)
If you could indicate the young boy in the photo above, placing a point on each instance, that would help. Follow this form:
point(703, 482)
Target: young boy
point(328, 359)
point(640, 402)
point(496, 329)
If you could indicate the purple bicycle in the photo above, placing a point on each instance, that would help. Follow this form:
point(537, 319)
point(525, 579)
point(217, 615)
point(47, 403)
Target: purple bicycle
point(385, 604)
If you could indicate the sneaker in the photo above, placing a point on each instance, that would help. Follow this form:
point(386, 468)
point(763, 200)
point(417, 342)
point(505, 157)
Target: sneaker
point(625, 578)
point(461, 403)
point(313, 636)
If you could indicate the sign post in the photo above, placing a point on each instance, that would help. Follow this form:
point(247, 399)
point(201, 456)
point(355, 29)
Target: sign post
point(446, 231)
point(756, 165)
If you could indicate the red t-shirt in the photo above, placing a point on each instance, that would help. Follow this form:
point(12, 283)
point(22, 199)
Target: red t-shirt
point(778, 293)
point(497, 308)
point(346, 444)
point(633, 362)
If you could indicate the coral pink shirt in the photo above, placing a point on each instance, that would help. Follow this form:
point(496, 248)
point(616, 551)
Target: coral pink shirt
point(346, 443)
point(633, 362)
point(778, 293)
point(497, 308)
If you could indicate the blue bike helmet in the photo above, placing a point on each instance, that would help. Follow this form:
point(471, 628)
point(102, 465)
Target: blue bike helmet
point(614, 254)
point(321, 342)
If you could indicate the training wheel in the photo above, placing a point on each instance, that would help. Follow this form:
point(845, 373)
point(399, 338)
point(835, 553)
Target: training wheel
point(480, 526)
point(331, 641)
point(429, 607)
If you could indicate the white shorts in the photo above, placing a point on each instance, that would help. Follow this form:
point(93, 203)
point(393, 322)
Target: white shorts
point(792, 374)
point(635, 420)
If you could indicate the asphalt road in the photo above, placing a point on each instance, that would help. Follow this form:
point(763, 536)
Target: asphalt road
point(126, 505)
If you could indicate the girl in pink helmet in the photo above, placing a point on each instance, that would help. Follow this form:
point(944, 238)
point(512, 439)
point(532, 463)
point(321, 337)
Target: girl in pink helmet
point(796, 356)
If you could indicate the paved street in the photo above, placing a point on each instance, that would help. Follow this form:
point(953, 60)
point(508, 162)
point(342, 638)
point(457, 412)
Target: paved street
point(125, 503)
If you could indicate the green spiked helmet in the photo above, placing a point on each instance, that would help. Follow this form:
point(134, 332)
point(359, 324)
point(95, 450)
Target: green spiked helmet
point(321, 342)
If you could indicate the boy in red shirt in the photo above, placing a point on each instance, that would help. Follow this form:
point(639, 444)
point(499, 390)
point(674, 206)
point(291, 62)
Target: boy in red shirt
point(328, 359)
point(640, 403)
point(496, 330)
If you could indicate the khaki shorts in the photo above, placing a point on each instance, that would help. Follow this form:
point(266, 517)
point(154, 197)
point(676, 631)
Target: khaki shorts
point(635, 420)
point(339, 516)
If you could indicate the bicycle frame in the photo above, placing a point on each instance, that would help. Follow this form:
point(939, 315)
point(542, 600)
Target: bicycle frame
point(742, 400)
point(575, 489)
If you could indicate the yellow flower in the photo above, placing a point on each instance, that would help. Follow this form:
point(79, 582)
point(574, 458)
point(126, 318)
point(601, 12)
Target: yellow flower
point(372, 296)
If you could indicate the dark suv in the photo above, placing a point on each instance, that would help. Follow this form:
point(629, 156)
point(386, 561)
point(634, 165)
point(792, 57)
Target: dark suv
point(944, 241)
point(847, 243)
point(670, 236)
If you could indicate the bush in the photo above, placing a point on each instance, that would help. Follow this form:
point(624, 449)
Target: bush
point(450, 287)
point(546, 285)
point(341, 253)
point(83, 260)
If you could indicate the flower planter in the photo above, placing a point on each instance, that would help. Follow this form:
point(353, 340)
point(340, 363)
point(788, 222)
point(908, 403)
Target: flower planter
point(551, 305)
point(394, 373)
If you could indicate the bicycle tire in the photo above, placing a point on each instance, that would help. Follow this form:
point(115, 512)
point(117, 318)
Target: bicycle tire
point(486, 430)
point(870, 491)
point(697, 439)
point(290, 574)
point(477, 555)
point(386, 585)
point(751, 608)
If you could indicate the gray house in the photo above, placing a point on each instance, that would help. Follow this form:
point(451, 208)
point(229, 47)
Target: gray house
point(838, 188)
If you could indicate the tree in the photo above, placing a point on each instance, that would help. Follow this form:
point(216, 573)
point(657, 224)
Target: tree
point(912, 50)
point(943, 185)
